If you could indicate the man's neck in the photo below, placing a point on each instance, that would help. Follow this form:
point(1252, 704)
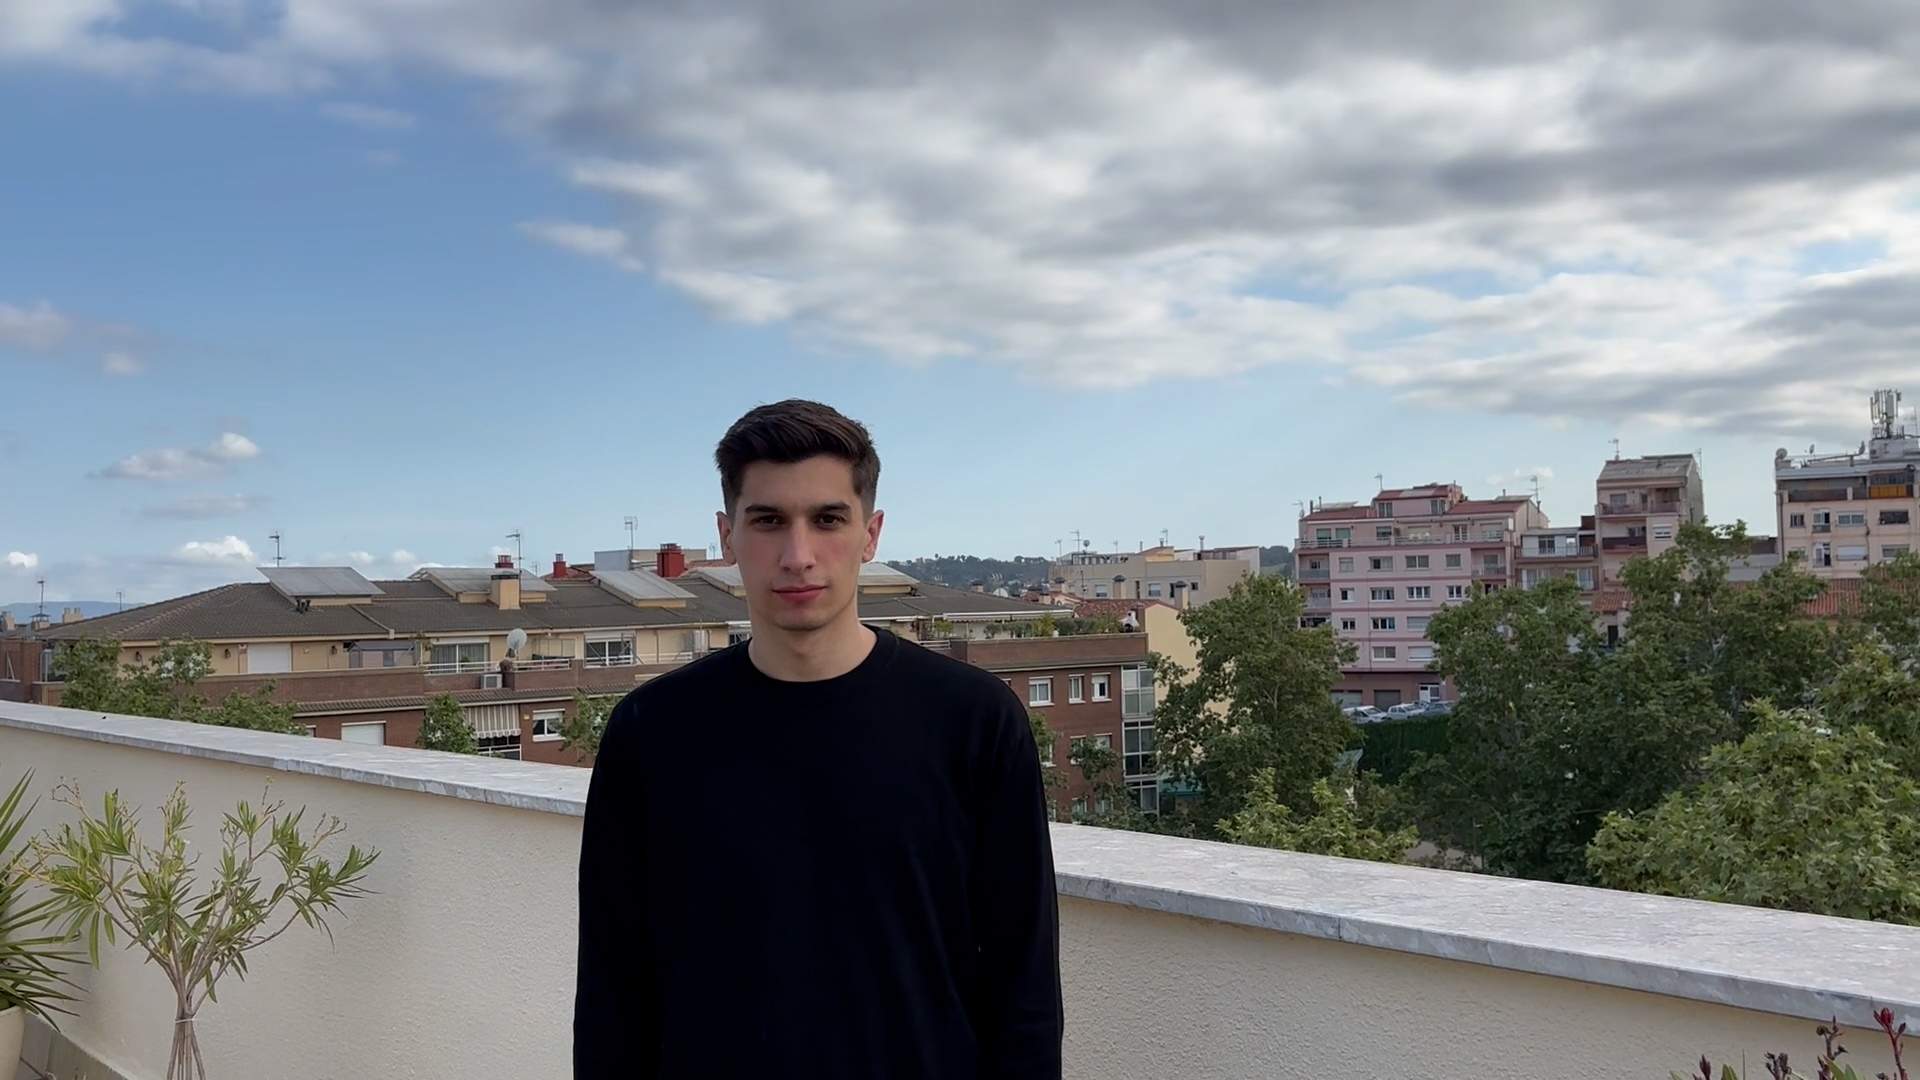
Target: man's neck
point(813, 655)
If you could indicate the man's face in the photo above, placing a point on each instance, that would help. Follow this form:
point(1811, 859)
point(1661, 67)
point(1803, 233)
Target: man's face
point(799, 534)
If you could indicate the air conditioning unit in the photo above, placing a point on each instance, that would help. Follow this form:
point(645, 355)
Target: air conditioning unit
point(490, 680)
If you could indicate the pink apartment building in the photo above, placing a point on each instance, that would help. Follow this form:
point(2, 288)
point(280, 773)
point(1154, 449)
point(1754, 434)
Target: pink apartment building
point(1379, 571)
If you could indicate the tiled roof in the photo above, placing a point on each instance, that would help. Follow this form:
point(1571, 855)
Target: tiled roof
point(256, 611)
point(1341, 513)
point(1655, 466)
point(1088, 609)
point(1495, 505)
point(1840, 599)
point(1427, 491)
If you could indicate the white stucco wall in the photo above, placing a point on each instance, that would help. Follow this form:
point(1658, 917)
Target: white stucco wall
point(1180, 959)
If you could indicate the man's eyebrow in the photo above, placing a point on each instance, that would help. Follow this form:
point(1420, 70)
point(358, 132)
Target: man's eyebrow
point(823, 508)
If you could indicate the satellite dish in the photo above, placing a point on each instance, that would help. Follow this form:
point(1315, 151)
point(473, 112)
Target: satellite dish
point(516, 641)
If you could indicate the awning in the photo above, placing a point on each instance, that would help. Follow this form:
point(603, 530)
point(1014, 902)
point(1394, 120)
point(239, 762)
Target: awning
point(494, 721)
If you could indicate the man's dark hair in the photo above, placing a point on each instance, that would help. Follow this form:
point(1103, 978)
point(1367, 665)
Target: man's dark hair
point(795, 430)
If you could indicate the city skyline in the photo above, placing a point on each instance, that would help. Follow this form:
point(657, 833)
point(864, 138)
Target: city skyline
point(397, 283)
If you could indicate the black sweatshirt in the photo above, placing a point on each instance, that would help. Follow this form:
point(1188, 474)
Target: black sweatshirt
point(848, 878)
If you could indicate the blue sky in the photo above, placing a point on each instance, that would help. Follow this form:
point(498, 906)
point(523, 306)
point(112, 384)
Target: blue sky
point(397, 294)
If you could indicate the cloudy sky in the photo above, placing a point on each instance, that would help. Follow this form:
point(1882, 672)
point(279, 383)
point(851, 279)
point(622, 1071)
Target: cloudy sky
point(398, 279)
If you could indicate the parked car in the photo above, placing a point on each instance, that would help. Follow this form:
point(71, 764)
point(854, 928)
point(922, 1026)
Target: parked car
point(1406, 710)
point(1439, 708)
point(1364, 714)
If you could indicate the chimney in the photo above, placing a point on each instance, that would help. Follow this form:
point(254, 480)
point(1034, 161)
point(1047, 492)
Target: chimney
point(71, 614)
point(670, 562)
point(6, 621)
point(40, 621)
point(559, 565)
point(504, 588)
point(503, 562)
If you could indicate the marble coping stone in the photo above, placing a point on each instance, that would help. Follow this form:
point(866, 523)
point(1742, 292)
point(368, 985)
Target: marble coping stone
point(1788, 963)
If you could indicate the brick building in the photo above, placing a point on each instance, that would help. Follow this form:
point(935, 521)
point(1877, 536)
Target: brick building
point(360, 659)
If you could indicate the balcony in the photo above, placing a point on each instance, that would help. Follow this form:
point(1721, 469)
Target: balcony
point(1638, 507)
point(1487, 569)
point(1321, 574)
point(1623, 543)
point(1195, 958)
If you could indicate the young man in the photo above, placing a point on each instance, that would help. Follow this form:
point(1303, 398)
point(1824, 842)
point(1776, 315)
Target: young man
point(822, 853)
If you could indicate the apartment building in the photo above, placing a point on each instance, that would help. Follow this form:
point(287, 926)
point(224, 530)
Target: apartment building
point(360, 658)
point(1180, 576)
point(1549, 554)
point(1641, 504)
point(1379, 571)
point(1841, 513)
point(1090, 687)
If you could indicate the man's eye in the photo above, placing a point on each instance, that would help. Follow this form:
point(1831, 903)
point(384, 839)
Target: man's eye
point(765, 521)
point(831, 520)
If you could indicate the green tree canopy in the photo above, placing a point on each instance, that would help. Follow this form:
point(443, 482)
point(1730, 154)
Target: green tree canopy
point(1333, 828)
point(446, 728)
point(163, 685)
point(583, 730)
point(1256, 712)
point(1797, 816)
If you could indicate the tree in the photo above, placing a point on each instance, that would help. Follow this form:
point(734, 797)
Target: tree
point(1890, 607)
point(583, 730)
point(1797, 815)
point(1256, 711)
point(1871, 690)
point(1333, 828)
point(445, 727)
point(163, 685)
point(1043, 742)
point(1109, 803)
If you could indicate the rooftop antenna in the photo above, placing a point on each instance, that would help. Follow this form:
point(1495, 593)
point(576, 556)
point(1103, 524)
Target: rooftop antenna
point(43, 595)
point(632, 523)
point(515, 537)
point(1536, 486)
point(1163, 538)
point(275, 537)
point(1616, 448)
point(121, 594)
point(1301, 507)
point(1381, 480)
point(1059, 550)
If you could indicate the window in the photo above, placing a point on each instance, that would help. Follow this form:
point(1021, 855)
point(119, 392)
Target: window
point(1040, 691)
point(1663, 532)
point(1491, 587)
point(1894, 517)
point(1136, 691)
point(1436, 506)
point(1346, 564)
point(546, 724)
point(1419, 562)
point(1420, 653)
point(1419, 623)
point(1103, 741)
point(374, 734)
point(1385, 652)
point(1894, 551)
point(1100, 592)
point(1429, 691)
point(1383, 595)
point(1153, 588)
point(1319, 597)
point(1796, 521)
point(1456, 592)
point(1852, 519)
point(1490, 564)
point(1852, 553)
point(1460, 534)
point(1383, 532)
point(1822, 554)
point(1136, 741)
point(459, 656)
point(609, 651)
point(1346, 596)
point(1822, 521)
point(1584, 576)
point(1385, 622)
point(1103, 687)
point(1076, 689)
point(500, 746)
point(1491, 532)
point(1453, 561)
point(1385, 509)
point(1419, 592)
point(1349, 624)
point(1379, 563)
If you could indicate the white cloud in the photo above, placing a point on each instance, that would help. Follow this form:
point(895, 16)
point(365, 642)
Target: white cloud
point(37, 326)
point(22, 560)
point(173, 463)
point(120, 362)
point(612, 245)
point(228, 549)
point(371, 117)
point(1576, 212)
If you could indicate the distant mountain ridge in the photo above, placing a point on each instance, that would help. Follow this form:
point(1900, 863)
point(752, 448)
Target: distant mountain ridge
point(90, 608)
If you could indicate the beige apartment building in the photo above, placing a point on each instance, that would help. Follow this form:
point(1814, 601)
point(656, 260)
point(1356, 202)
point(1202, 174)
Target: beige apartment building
point(1641, 504)
point(1841, 513)
point(1180, 576)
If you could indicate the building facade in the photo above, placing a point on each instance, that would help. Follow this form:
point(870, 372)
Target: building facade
point(1641, 503)
point(1841, 513)
point(1379, 571)
point(1180, 576)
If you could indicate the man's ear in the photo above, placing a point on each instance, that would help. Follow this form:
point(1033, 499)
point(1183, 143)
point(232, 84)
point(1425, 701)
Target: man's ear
point(725, 527)
point(874, 522)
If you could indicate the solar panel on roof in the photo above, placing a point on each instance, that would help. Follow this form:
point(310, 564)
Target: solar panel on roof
point(319, 581)
point(473, 579)
point(640, 585)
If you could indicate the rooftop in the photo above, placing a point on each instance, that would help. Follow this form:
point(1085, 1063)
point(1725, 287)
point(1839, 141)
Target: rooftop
point(1177, 956)
point(1651, 467)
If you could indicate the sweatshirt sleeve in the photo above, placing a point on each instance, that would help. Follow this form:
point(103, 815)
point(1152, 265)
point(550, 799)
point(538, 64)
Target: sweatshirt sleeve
point(614, 1016)
point(1021, 1014)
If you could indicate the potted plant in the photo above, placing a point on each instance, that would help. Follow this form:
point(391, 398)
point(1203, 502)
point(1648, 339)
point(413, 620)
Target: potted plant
point(30, 960)
point(105, 879)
